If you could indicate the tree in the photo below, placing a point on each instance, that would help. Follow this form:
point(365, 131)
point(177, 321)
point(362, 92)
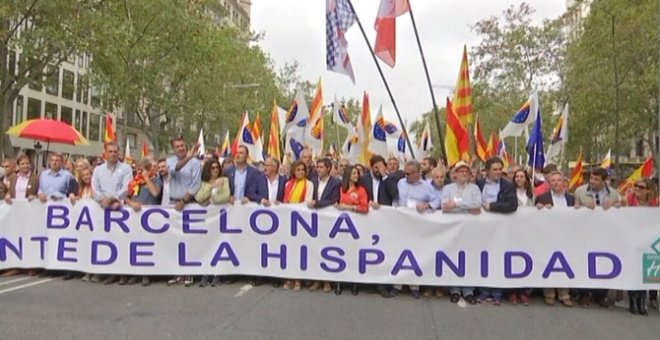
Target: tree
point(615, 32)
point(36, 34)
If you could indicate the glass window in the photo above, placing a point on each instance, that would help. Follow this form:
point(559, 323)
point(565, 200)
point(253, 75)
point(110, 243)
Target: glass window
point(66, 115)
point(12, 62)
point(51, 111)
point(18, 117)
point(85, 89)
point(83, 124)
point(67, 84)
point(79, 88)
point(96, 97)
point(94, 127)
point(33, 108)
point(76, 121)
point(52, 80)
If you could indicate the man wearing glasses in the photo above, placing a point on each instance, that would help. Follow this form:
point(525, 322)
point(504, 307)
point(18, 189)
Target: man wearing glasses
point(596, 194)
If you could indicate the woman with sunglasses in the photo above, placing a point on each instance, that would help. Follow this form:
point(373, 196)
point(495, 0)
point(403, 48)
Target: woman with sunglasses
point(214, 190)
point(643, 195)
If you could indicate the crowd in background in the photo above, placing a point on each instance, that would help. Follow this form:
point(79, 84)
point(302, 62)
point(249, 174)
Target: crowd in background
point(322, 183)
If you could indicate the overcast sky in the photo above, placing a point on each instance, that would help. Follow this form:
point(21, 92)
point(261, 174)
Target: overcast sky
point(295, 30)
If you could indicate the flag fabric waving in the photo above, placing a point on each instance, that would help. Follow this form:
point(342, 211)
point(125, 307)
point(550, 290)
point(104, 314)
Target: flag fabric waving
point(109, 133)
point(274, 133)
point(127, 153)
point(295, 146)
point(339, 18)
point(425, 143)
point(364, 129)
point(145, 149)
point(481, 147)
point(246, 138)
point(401, 147)
point(224, 150)
point(351, 148)
point(385, 26)
point(379, 132)
point(340, 116)
point(606, 163)
point(525, 116)
point(535, 144)
point(258, 155)
point(492, 149)
point(202, 146)
point(644, 171)
point(235, 143)
point(298, 114)
point(577, 177)
point(457, 141)
point(462, 100)
point(314, 130)
point(559, 136)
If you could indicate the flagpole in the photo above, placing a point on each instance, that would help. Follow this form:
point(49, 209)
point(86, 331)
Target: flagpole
point(428, 81)
point(382, 76)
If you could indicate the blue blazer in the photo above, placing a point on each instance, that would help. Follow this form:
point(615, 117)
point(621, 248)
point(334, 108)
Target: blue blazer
point(263, 187)
point(252, 183)
point(330, 194)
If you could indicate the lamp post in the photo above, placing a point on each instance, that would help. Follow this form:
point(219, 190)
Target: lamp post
point(37, 153)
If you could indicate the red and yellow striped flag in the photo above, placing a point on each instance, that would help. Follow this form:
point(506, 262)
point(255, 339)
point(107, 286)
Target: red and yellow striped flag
point(109, 133)
point(576, 178)
point(644, 171)
point(493, 145)
point(317, 103)
point(481, 145)
point(145, 149)
point(457, 141)
point(463, 92)
point(364, 128)
point(274, 134)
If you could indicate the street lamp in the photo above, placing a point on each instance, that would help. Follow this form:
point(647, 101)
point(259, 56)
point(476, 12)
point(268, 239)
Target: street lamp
point(37, 151)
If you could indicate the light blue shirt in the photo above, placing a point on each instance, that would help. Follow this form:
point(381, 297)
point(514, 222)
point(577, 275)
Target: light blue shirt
point(419, 192)
point(490, 192)
point(438, 190)
point(467, 196)
point(54, 184)
point(239, 182)
point(111, 182)
point(187, 180)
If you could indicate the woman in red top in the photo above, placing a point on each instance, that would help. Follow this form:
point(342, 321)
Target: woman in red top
point(353, 196)
point(644, 195)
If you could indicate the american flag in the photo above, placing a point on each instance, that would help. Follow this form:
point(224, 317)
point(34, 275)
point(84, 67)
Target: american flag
point(339, 18)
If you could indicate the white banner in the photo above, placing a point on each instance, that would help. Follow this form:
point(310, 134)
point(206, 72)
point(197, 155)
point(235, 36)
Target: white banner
point(617, 249)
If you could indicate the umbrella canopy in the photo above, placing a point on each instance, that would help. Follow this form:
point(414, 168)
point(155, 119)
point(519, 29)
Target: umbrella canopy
point(48, 130)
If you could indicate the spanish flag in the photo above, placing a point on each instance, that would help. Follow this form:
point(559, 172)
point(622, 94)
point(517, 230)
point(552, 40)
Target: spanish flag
point(109, 133)
point(493, 145)
point(481, 145)
point(145, 149)
point(576, 175)
point(644, 171)
point(457, 141)
point(224, 150)
point(274, 134)
point(463, 93)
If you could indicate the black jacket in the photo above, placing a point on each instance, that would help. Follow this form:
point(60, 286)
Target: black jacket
point(507, 200)
point(387, 191)
point(330, 194)
point(546, 198)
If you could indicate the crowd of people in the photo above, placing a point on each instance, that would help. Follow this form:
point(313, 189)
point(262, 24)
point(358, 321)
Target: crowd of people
point(322, 183)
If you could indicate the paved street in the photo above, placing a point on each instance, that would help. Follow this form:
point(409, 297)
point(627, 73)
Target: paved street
point(38, 308)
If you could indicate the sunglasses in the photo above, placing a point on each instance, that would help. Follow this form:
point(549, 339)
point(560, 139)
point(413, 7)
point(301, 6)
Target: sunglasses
point(597, 199)
point(640, 187)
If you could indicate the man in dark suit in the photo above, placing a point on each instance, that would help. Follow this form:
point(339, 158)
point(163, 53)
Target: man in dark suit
point(559, 198)
point(498, 194)
point(381, 188)
point(244, 180)
point(326, 187)
point(556, 196)
point(272, 182)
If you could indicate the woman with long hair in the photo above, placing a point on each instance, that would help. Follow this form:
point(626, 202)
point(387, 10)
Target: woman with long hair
point(297, 190)
point(214, 190)
point(524, 189)
point(645, 194)
point(85, 182)
point(353, 197)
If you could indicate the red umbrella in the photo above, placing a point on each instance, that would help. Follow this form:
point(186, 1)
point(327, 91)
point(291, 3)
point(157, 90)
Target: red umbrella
point(48, 130)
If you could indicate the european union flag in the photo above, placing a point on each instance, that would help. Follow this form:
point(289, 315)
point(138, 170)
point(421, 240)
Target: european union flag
point(296, 147)
point(535, 144)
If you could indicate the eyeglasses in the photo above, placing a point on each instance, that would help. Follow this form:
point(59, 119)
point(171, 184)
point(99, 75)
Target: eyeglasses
point(640, 187)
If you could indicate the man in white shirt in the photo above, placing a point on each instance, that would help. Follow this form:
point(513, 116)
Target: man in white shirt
point(273, 181)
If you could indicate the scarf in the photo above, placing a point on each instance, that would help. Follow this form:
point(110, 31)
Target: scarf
point(295, 190)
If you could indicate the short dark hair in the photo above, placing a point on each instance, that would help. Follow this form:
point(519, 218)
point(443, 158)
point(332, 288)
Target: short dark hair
point(110, 143)
point(247, 152)
point(432, 161)
point(176, 139)
point(161, 160)
point(22, 157)
point(600, 172)
point(326, 161)
point(549, 169)
point(493, 160)
point(375, 159)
